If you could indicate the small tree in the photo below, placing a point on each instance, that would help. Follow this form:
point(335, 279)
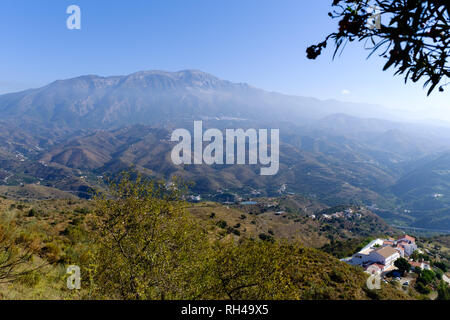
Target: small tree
point(439, 273)
point(422, 288)
point(402, 265)
point(441, 265)
point(426, 276)
point(145, 243)
point(252, 270)
point(415, 256)
point(443, 291)
point(16, 252)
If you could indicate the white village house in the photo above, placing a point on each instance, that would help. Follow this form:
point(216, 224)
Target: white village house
point(421, 265)
point(385, 256)
point(380, 254)
point(408, 244)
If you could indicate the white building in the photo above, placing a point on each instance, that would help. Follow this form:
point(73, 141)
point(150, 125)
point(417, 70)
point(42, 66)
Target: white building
point(363, 256)
point(375, 268)
point(421, 265)
point(408, 244)
point(380, 254)
point(385, 256)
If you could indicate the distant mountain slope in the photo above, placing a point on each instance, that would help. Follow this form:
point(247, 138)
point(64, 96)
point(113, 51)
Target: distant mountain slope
point(343, 176)
point(425, 193)
point(429, 180)
point(150, 97)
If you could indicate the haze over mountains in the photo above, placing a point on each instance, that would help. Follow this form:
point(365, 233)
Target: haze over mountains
point(153, 96)
point(68, 133)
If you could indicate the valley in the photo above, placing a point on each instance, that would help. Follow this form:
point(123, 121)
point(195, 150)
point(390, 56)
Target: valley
point(73, 134)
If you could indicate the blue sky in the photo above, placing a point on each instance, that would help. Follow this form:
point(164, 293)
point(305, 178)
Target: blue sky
point(261, 42)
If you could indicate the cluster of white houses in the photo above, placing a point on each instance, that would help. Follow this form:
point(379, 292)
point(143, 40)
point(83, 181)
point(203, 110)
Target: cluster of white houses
point(347, 213)
point(380, 254)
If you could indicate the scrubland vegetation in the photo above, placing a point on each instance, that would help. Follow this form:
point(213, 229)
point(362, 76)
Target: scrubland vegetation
point(138, 240)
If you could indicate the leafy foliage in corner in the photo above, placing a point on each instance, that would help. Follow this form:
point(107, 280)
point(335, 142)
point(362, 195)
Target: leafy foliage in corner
point(412, 35)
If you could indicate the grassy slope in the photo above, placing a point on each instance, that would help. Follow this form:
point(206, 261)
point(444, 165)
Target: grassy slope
point(34, 191)
point(317, 273)
point(295, 224)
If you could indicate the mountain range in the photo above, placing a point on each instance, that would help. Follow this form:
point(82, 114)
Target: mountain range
point(72, 133)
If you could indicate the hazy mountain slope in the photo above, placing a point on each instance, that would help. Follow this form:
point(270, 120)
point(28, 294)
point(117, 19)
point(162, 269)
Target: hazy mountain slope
point(429, 180)
point(340, 175)
point(153, 96)
point(425, 193)
point(407, 139)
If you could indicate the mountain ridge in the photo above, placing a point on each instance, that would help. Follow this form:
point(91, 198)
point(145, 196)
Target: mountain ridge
point(92, 100)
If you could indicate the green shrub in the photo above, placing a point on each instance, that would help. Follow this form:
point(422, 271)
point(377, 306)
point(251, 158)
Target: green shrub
point(30, 279)
point(266, 237)
point(426, 277)
point(441, 265)
point(439, 273)
point(443, 291)
point(81, 210)
point(422, 288)
point(222, 224)
point(52, 252)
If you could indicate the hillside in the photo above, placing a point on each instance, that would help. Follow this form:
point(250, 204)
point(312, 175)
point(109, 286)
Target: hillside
point(425, 191)
point(60, 226)
point(295, 224)
point(38, 192)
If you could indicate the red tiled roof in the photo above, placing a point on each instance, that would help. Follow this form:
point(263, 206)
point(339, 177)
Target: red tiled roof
point(378, 265)
point(407, 238)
